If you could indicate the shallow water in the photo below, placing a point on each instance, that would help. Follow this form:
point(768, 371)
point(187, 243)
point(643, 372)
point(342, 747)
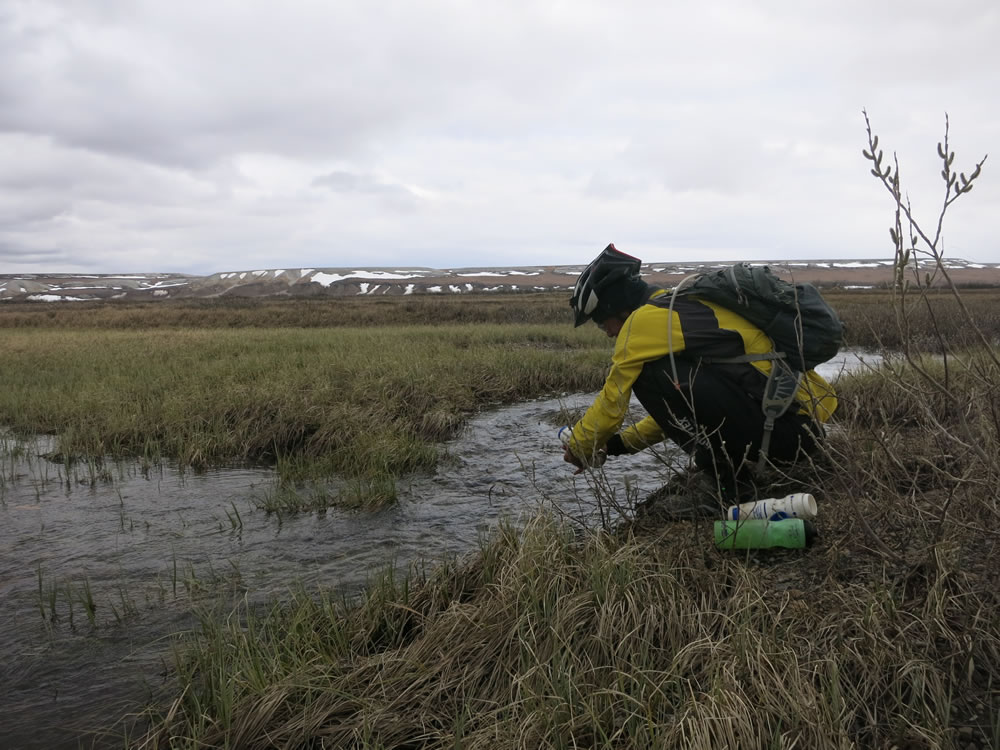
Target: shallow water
point(145, 544)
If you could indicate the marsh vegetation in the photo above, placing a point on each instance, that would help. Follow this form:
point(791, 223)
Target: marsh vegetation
point(886, 633)
point(621, 637)
point(368, 402)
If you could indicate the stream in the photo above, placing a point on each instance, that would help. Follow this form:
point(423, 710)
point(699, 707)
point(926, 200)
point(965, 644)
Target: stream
point(99, 565)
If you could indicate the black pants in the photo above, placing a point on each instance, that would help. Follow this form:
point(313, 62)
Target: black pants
point(714, 415)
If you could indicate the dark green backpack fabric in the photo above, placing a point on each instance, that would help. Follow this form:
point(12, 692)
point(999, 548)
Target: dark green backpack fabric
point(795, 316)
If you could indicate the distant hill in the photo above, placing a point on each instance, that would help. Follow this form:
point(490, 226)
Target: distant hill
point(356, 280)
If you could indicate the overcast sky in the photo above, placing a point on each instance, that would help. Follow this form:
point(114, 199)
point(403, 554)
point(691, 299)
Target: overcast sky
point(210, 135)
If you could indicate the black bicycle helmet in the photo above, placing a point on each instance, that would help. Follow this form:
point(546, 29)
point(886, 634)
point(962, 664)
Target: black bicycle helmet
point(598, 292)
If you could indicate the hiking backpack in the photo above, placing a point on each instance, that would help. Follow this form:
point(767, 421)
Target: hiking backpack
point(795, 317)
point(804, 329)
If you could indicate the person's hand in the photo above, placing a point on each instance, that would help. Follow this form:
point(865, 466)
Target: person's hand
point(570, 458)
point(616, 446)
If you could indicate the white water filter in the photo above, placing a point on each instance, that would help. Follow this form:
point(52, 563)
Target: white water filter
point(797, 505)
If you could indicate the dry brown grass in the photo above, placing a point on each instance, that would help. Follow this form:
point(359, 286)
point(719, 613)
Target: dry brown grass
point(550, 640)
point(276, 312)
point(364, 402)
point(874, 319)
point(886, 633)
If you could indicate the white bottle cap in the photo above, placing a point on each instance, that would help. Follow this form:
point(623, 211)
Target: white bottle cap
point(802, 505)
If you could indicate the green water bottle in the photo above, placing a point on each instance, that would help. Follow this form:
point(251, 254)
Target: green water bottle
point(761, 534)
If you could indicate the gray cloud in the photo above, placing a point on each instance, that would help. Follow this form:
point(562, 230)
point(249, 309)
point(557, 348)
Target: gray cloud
point(12, 252)
point(189, 136)
point(190, 84)
point(396, 197)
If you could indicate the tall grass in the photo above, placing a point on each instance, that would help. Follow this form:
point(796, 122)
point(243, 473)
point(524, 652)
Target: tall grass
point(873, 318)
point(367, 402)
point(550, 640)
point(276, 312)
point(886, 633)
point(647, 637)
point(364, 400)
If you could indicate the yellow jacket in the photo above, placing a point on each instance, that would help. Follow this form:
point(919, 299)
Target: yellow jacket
point(696, 329)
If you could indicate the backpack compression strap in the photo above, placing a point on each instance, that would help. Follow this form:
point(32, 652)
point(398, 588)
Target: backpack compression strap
point(779, 393)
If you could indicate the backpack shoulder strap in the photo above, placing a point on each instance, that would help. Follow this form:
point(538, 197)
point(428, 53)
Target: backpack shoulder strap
point(670, 328)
